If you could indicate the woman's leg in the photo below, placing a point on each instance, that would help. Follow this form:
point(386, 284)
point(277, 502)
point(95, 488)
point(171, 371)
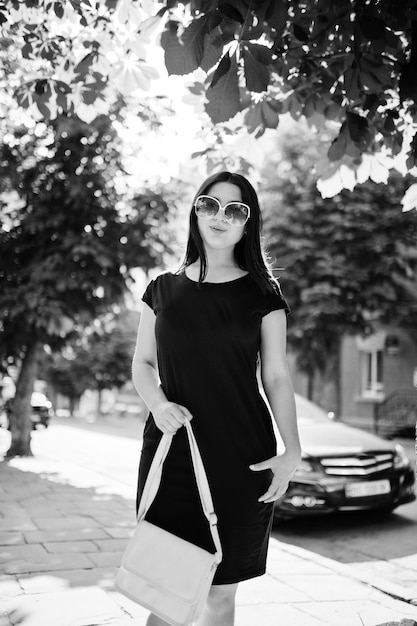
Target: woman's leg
point(220, 607)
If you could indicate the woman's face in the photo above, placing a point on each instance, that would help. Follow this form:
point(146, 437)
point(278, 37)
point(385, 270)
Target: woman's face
point(216, 232)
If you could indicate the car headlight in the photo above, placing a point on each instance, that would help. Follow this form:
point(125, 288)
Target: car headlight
point(306, 469)
point(400, 457)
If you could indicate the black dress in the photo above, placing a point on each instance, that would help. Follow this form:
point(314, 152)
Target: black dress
point(208, 339)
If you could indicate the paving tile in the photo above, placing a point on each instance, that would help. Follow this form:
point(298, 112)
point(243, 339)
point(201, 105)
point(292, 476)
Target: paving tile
point(79, 534)
point(328, 587)
point(266, 589)
point(9, 586)
point(119, 533)
point(54, 562)
point(73, 607)
point(27, 491)
point(43, 509)
point(62, 547)
point(102, 577)
point(11, 538)
point(353, 613)
point(115, 521)
point(295, 566)
point(274, 615)
point(112, 545)
point(16, 523)
point(106, 559)
point(58, 523)
point(12, 509)
point(32, 552)
point(34, 501)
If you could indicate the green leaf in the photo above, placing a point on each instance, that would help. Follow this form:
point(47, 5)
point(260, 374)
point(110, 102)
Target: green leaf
point(41, 86)
point(230, 12)
point(263, 54)
point(339, 145)
point(375, 74)
point(256, 73)
point(59, 9)
point(223, 100)
point(222, 69)
point(183, 55)
point(254, 119)
point(27, 49)
point(359, 132)
point(276, 15)
point(213, 49)
point(352, 82)
point(300, 33)
point(84, 65)
point(270, 113)
point(43, 109)
point(371, 27)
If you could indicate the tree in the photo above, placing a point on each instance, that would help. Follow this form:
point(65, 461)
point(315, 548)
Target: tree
point(353, 63)
point(100, 359)
point(64, 244)
point(349, 263)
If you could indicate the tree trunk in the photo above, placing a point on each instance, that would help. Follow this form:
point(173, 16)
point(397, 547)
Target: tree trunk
point(99, 403)
point(20, 418)
point(73, 405)
point(310, 385)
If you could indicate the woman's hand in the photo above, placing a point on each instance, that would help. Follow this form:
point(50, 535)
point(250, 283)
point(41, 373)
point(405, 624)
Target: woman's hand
point(283, 467)
point(169, 417)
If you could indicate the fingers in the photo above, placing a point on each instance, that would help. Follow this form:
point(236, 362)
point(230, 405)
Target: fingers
point(172, 418)
point(273, 493)
point(185, 412)
point(263, 465)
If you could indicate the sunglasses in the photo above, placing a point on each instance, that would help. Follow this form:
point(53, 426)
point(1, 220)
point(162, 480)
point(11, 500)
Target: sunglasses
point(234, 213)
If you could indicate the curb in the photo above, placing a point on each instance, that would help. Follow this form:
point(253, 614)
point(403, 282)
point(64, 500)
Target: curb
point(391, 589)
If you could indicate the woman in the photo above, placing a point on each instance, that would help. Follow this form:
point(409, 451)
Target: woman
point(204, 330)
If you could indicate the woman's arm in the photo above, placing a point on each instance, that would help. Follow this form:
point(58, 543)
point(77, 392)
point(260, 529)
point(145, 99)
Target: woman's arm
point(278, 389)
point(168, 416)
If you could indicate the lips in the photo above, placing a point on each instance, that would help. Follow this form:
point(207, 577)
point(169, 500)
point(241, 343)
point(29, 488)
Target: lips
point(218, 229)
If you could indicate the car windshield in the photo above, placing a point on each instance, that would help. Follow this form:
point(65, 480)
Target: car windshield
point(308, 412)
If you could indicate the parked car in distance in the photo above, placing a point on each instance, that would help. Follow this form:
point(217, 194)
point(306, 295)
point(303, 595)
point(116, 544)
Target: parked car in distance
point(344, 469)
point(41, 410)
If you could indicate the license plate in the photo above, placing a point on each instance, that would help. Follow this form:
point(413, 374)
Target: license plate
point(374, 488)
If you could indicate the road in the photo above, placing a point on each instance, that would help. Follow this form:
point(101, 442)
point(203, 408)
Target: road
point(375, 544)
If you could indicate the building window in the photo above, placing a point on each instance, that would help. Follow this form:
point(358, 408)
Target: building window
point(372, 373)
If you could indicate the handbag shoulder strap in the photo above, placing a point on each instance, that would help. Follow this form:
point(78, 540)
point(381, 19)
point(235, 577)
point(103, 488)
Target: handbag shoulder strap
point(153, 481)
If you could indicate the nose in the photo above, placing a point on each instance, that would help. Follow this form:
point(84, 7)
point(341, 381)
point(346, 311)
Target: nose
point(220, 215)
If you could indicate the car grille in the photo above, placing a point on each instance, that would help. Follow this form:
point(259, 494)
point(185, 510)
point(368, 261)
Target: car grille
point(360, 465)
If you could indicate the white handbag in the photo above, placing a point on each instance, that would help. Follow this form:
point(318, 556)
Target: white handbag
point(163, 573)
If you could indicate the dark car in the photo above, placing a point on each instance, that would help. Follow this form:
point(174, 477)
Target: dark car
point(344, 469)
point(41, 410)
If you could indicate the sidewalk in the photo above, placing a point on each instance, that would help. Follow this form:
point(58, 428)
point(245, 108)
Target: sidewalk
point(62, 533)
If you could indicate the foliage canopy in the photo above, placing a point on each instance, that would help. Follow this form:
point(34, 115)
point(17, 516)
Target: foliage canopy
point(352, 63)
point(349, 262)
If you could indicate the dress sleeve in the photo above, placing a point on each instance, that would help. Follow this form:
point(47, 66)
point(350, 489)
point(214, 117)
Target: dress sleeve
point(148, 296)
point(274, 301)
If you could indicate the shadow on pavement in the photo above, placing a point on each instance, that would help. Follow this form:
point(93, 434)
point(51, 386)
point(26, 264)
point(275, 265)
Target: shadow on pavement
point(58, 531)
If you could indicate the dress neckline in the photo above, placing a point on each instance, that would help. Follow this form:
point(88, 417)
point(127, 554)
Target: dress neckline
point(224, 282)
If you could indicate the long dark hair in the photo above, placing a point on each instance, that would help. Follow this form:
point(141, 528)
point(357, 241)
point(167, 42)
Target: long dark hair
point(249, 253)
